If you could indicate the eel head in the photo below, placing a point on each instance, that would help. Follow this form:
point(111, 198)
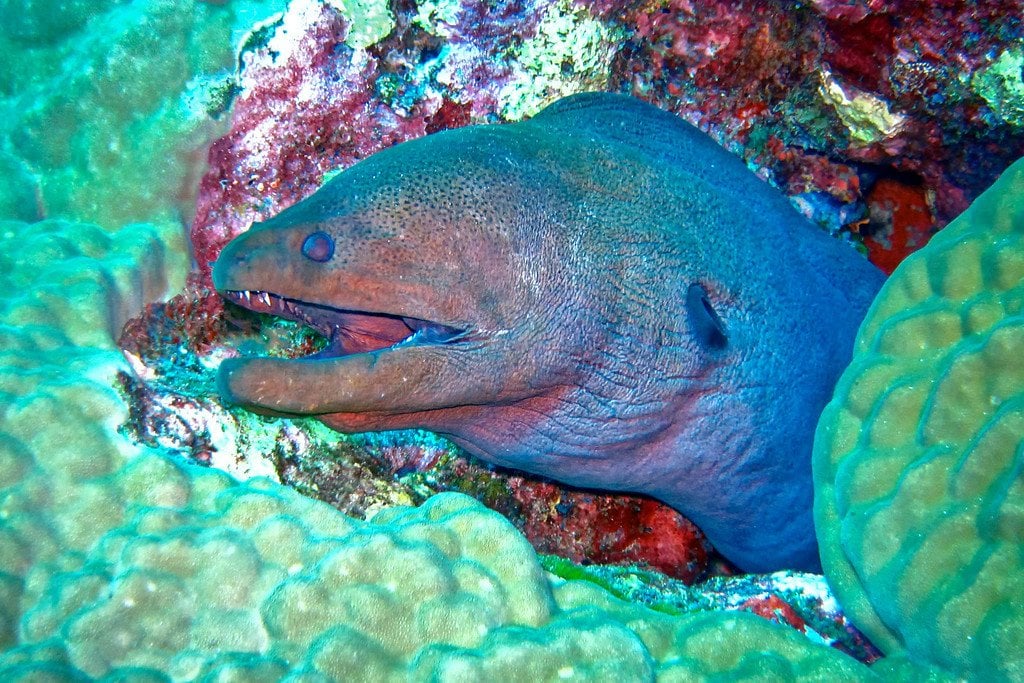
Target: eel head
point(410, 287)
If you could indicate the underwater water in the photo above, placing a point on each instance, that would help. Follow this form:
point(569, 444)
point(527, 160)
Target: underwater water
point(617, 392)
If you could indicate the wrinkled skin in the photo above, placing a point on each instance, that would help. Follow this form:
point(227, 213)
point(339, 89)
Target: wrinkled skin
point(603, 296)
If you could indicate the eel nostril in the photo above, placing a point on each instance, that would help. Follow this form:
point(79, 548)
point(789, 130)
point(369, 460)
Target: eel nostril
point(319, 247)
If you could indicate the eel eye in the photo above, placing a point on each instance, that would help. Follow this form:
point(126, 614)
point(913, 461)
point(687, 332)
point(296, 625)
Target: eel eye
point(708, 327)
point(319, 247)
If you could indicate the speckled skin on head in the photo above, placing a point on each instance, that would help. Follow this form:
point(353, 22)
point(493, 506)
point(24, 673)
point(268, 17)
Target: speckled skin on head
point(601, 295)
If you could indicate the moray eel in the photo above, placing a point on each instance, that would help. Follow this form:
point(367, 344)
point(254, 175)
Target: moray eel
point(600, 295)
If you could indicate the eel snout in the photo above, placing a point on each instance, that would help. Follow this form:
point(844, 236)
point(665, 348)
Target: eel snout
point(373, 362)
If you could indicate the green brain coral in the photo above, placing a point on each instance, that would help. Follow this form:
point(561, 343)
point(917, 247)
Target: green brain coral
point(919, 459)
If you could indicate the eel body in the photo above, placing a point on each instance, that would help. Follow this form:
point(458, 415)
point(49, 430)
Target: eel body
point(601, 295)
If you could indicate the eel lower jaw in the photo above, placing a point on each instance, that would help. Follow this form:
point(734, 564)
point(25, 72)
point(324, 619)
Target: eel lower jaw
point(352, 332)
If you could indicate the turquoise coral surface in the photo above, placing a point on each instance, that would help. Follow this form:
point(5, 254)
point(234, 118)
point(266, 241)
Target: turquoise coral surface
point(124, 123)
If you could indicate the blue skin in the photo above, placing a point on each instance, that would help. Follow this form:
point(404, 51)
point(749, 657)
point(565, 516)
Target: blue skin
point(600, 295)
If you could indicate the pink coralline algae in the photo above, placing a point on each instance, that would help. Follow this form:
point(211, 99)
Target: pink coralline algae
point(298, 118)
point(308, 104)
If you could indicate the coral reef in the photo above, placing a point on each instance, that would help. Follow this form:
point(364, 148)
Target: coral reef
point(751, 73)
point(328, 83)
point(917, 459)
point(920, 92)
point(118, 558)
point(921, 88)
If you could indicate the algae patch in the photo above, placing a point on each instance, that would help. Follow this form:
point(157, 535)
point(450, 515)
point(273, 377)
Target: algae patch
point(571, 52)
point(1001, 85)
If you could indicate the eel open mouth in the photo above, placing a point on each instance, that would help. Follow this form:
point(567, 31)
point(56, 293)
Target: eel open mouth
point(350, 332)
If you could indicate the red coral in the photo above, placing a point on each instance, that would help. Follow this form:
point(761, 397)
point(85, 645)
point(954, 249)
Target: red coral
point(451, 114)
point(191, 319)
point(610, 529)
point(774, 608)
point(901, 222)
point(738, 55)
point(749, 72)
point(860, 51)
